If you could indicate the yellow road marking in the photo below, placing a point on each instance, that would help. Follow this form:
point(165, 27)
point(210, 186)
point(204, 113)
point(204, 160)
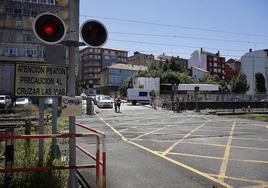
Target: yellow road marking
point(254, 139)
point(182, 165)
point(221, 145)
point(169, 159)
point(192, 155)
point(180, 140)
point(241, 179)
point(213, 157)
point(150, 132)
point(226, 155)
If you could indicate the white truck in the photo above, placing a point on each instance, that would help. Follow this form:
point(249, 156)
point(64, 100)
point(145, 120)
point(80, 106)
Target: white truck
point(136, 95)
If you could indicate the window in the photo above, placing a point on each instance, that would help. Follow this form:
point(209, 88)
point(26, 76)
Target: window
point(12, 37)
point(9, 10)
point(42, 1)
point(215, 58)
point(19, 25)
point(33, 13)
point(33, 1)
point(26, 12)
point(51, 2)
point(143, 94)
point(1, 36)
point(12, 51)
point(30, 52)
point(18, 11)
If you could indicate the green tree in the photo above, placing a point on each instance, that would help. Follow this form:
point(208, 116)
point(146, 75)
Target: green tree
point(126, 84)
point(260, 83)
point(210, 79)
point(166, 66)
point(239, 84)
point(215, 79)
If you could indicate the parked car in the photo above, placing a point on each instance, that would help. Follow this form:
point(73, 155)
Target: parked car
point(105, 101)
point(5, 101)
point(48, 101)
point(22, 101)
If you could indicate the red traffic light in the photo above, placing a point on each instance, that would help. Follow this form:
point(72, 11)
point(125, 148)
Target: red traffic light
point(49, 28)
point(93, 33)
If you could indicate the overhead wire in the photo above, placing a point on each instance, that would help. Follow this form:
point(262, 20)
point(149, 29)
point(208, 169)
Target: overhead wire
point(187, 37)
point(175, 26)
point(179, 36)
point(174, 45)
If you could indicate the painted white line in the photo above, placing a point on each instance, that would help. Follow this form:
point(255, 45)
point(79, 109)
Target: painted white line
point(150, 132)
point(112, 128)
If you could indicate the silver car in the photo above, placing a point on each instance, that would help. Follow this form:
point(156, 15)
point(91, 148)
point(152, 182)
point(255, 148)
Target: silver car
point(105, 101)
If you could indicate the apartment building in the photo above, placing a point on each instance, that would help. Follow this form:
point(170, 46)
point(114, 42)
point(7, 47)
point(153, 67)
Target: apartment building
point(233, 67)
point(92, 61)
point(113, 76)
point(211, 62)
point(141, 59)
point(178, 60)
point(18, 42)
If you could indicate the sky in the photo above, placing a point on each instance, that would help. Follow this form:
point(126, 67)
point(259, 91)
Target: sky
point(179, 27)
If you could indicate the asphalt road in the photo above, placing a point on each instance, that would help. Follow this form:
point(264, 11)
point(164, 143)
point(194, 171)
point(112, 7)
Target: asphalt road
point(158, 148)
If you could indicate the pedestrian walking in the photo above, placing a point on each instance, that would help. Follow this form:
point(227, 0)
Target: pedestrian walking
point(177, 105)
point(118, 103)
point(153, 95)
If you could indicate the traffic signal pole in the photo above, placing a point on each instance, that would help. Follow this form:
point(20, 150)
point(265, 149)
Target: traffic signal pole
point(73, 60)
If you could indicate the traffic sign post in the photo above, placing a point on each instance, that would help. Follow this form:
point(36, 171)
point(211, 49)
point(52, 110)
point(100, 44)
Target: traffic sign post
point(50, 29)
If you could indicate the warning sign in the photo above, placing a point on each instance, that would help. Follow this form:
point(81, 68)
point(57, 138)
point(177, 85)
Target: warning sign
point(71, 106)
point(40, 80)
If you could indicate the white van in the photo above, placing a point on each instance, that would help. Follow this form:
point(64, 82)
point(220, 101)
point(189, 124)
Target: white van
point(136, 95)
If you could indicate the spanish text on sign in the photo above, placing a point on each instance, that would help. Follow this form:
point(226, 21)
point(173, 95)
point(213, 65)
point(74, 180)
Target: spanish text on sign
point(40, 80)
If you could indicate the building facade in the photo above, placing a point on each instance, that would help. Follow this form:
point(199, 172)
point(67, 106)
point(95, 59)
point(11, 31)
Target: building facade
point(112, 77)
point(141, 59)
point(198, 73)
point(18, 42)
point(232, 68)
point(213, 63)
point(255, 62)
point(92, 61)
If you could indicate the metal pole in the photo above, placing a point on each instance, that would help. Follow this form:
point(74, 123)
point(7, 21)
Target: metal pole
point(55, 147)
point(196, 89)
point(73, 60)
point(9, 153)
point(41, 130)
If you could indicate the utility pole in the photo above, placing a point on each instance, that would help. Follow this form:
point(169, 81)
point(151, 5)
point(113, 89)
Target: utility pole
point(73, 60)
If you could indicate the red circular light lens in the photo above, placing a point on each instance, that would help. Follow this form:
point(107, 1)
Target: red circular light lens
point(50, 28)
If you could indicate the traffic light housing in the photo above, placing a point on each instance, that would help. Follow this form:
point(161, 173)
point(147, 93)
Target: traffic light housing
point(93, 33)
point(49, 28)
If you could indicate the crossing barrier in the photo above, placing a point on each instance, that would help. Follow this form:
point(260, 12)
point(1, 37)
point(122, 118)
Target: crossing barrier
point(100, 137)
